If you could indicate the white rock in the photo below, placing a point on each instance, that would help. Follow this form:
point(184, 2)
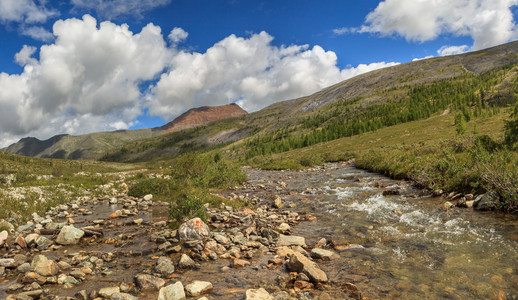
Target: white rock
point(198, 288)
point(172, 292)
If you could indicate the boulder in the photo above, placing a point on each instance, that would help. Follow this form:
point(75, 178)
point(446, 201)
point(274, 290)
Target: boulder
point(299, 263)
point(488, 201)
point(323, 254)
point(194, 229)
point(107, 292)
point(258, 294)
point(291, 240)
point(148, 282)
point(198, 288)
point(44, 266)
point(186, 262)
point(122, 296)
point(172, 292)
point(164, 266)
point(69, 235)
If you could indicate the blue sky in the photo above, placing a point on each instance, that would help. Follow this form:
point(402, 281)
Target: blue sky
point(79, 66)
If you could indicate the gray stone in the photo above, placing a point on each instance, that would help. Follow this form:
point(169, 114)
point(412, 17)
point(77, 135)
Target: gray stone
point(148, 282)
point(43, 243)
point(30, 239)
point(172, 292)
point(222, 239)
point(186, 262)
point(26, 227)
point(164, 266)
point(488, 201)
point(299, 263)
point(24, 268)
point(44, 266)
point(122, 296)
point(194, 229)
point(258, 294)
point(291, 240)
point(198, 288)
point(107, 292)
point(69, 235)
point(319, 253)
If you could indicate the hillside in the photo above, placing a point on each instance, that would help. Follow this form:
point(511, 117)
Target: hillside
point(94, 145)
point(203, 115)
point(473, 81)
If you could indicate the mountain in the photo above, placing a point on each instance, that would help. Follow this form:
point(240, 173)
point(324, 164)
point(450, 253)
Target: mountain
point(94, 145)
point(470, 82)
point(203, 115)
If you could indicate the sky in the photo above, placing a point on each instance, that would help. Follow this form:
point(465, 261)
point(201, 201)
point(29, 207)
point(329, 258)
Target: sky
point(80, 66)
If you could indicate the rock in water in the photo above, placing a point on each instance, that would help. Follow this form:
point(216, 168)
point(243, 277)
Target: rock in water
point(488, 201)
point(165, 266)
point(172, 292)
point(147, 282)
point(198, 288)
point(107, 292)
point(299, 263)
point(194, 229)
point(69, 235)
point(323, 254)
point(292, 240)
point(44, 266)
point(259, 294)
point(122, 296)
point(186, 262)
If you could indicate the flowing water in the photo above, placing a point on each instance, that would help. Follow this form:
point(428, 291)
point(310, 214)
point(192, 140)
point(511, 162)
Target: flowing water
point(404, 246)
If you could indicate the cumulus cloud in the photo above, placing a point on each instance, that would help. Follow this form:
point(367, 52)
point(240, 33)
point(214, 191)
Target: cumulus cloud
point(452, 50)
point(343, 30)
point(177, 35)
point(488, 23)
point(97, 77)
point(87, 80)
point(249, 71)
point(24, 11)
point(111, 9)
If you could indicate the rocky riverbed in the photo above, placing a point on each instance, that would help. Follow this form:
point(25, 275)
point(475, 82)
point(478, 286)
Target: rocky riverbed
point(290, 242)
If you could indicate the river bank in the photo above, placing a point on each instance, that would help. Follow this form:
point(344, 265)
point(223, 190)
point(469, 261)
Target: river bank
point(372, 237)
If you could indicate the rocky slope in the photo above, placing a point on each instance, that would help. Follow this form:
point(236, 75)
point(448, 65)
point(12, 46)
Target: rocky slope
point(203, 115)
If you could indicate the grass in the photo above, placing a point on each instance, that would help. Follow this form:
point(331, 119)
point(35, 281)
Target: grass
point(187, 186)
point(42, 183)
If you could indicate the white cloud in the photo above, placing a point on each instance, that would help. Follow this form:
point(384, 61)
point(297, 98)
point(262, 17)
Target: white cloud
point(24, 56)
point(489, 23)
point(24, 11)
point(111, 9)
point(421, 58)
point(249, 71)
point(452, 50)
point(344, 30)
point(97, 77)
point(87, 80)
point(38, 33)
point(177, 35)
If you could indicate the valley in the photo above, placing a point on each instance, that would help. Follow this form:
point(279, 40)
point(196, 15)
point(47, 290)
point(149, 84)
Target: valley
point(397, 183)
